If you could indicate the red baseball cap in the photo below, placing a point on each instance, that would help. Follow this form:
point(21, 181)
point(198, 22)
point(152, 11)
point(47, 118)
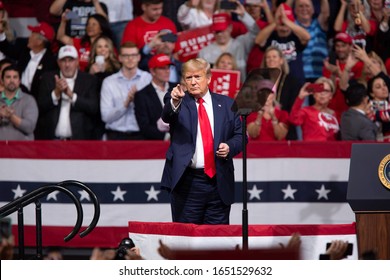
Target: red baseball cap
point(221, 22)
point(343, 37)
point(288, 12)
point(44, 29)
point(159, 60)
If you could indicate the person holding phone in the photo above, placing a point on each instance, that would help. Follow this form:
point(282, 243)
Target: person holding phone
point(96, 26)
point(343, 46)
point(163, 42)
point(79, 11)
point(318, 121)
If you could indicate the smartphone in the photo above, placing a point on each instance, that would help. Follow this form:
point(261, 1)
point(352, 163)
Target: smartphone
point(332, 58)
point(360, 44)
point(71, 15)
point(5, 228)
point(313, 88)
point(99, 59)
point(169, 37)
point(379, 105)
point(348, 252)
point(227, 5)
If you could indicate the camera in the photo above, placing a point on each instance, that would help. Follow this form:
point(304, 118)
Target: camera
point(348, 252)
point(126, 244)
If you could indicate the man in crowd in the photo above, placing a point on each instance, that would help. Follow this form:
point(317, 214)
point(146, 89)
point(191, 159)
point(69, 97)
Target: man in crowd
point(68, 100)
point(144, 27)
point(149, 101)
point(117, 95)
point(18, 110)
point(33, 59)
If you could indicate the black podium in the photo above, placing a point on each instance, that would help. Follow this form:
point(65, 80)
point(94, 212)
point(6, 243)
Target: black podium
point(369, 197)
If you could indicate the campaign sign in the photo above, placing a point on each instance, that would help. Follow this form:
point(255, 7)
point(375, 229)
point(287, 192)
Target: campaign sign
point(226, 82)
point(190, 42)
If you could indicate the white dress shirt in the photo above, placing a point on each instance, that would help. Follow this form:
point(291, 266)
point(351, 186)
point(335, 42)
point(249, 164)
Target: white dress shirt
point(198, 157)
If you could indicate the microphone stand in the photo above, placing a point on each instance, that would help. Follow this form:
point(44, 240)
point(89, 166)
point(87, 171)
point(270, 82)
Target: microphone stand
point(244, 114)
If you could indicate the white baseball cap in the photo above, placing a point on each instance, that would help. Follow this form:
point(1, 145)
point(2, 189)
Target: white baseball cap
point(68, 51)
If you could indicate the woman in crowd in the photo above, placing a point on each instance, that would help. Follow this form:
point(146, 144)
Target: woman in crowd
point(103, 58)
point(318, 121)
point(270, 123)
point(286, 87)
point(96, 26)
point(196, 13)
point(378, 91)
point(102, 63)
point(226, 61)
point(5, 27)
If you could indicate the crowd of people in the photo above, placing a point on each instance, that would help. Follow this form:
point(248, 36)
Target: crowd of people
point(102, 73)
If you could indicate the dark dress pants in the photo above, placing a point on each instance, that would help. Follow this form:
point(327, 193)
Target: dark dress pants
point(196, 200)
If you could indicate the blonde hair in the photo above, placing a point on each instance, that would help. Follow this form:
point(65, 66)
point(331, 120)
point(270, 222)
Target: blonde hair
point(228, 54)
point(113, 64)
point(285, 68)
point(196, 64)
point(323, 80)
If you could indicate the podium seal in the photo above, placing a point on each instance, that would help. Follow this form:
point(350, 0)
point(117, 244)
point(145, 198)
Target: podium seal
point(384, 171)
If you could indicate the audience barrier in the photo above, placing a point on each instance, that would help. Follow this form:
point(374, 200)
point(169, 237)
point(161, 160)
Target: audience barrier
point(288, 183)
point(218, 237)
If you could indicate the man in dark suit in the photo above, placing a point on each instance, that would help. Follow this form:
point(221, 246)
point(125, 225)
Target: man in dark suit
point(205, 136)
point(34, 57)
point(149, 102)
point(68, 100)
point(355, 125)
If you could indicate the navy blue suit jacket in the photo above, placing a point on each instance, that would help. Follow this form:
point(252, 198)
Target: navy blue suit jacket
point(148, 110)
point(183, 129)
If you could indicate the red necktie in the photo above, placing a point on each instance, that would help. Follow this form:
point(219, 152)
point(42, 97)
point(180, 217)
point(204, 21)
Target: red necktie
point(208, 141)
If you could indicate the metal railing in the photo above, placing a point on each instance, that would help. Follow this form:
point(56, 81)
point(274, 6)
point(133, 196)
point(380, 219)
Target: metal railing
point(65, 187)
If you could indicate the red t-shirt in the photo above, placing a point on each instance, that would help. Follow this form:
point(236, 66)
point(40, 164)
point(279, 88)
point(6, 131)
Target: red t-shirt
point(84, 52)
point(141, 32)
point(316, 125)
point(267, 129)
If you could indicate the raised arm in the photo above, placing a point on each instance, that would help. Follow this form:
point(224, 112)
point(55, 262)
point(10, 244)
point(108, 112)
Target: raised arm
point(338, 23)
point(323, 17)
point(57, 7)
point(98, 8)
point(61, 35)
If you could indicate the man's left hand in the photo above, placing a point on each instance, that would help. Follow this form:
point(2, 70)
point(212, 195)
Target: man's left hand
point(223, 150)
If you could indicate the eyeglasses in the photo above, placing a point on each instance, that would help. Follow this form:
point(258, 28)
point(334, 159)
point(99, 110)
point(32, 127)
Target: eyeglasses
point(127, 56)
point(196, 77)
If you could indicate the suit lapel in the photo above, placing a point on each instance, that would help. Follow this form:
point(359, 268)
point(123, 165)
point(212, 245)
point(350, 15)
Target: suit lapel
point(218, 118)
point(189, 101)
